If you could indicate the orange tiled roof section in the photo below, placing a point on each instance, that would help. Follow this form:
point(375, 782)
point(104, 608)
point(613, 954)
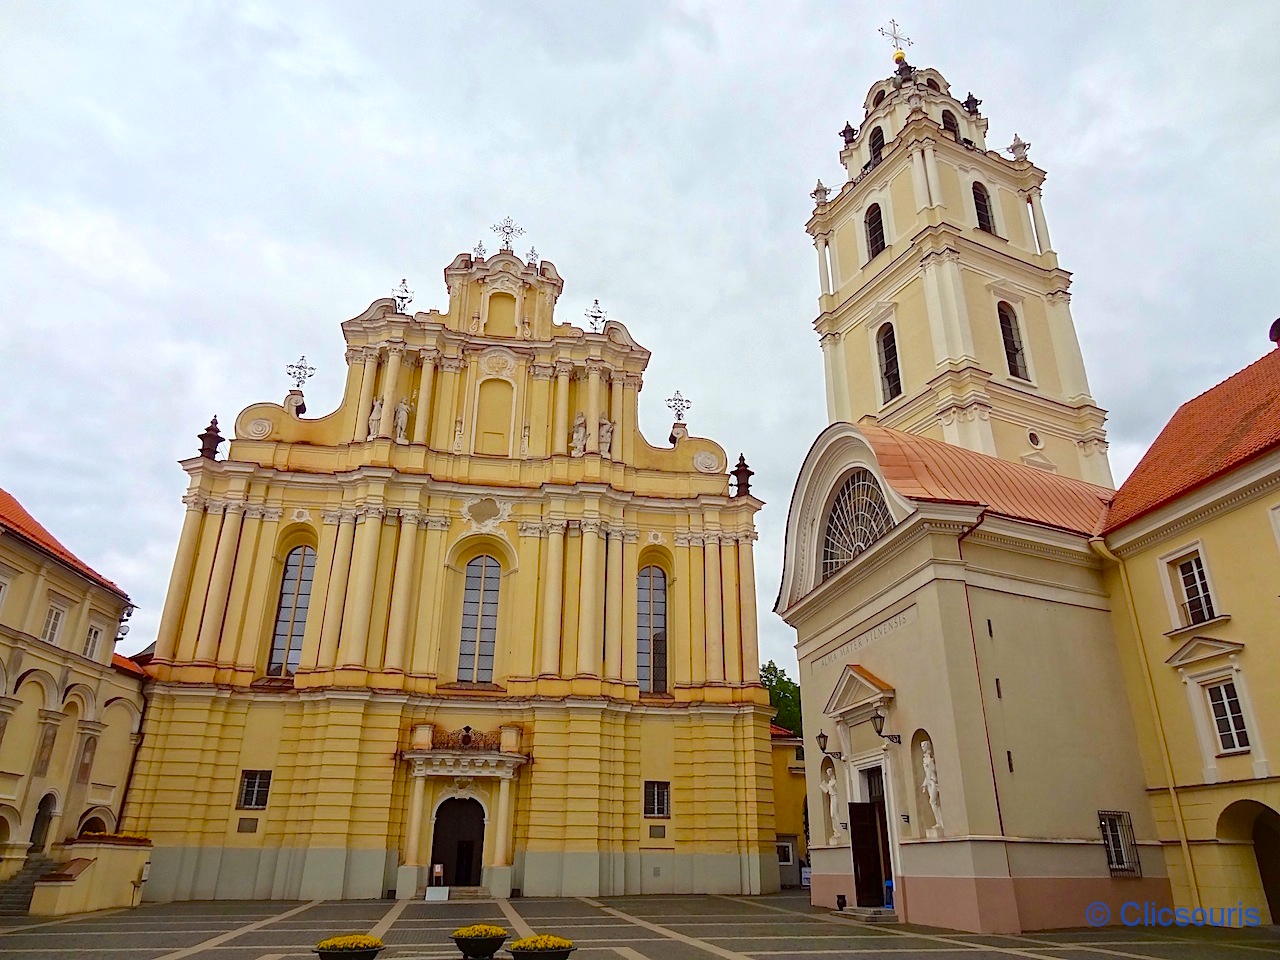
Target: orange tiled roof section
point(1223, 428)
point(781, 733)
point(16, 519)
point(923, 469)
point(125, 665)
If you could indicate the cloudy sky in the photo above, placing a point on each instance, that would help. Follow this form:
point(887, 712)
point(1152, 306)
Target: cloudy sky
point(193, 194)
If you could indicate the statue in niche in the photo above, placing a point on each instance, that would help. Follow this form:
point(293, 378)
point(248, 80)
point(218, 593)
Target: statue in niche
point(402, 420)
point(831, 788)
point(375, 417)
point(578, 438)
point(930, 786)
point(606, 436)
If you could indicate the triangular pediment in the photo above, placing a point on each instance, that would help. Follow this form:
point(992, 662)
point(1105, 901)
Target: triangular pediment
point(1038, 460)
point(857, 687)
point(1202, 648)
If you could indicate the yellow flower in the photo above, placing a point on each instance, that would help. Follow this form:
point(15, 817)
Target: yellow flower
point(543, 941)
point(479, 931)
point(350, 941)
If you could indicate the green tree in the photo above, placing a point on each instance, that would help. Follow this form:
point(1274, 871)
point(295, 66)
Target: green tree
point(784, 694)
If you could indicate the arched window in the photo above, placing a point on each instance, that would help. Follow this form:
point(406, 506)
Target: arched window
point(879, 98)
point(1013, 352)
point(950, 124)
point(291, 612)
point(479, 620)
point(877, 146)
point(875, 231)
point(932, 84)
point(859, 517)
point(982, 204)
point(887, 349)
point(651, 626)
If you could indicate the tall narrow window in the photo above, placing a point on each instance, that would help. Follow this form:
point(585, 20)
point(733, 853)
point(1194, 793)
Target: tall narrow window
point(877, 146)
point(53, 624)
point(1198, 606)
point(1116, 827)
point(91, 640)
point(887, 348)
point(875, 231)
point(291, 613)
point(1228, 718)
point(479, 620)
point(1014, 354)
point(651, 625)
point(982, 204)
point(949, 124)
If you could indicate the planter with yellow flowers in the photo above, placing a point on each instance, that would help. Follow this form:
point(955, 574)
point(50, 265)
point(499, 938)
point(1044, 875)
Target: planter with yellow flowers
point(480, 941)
point(349, 946)
point(544, 946)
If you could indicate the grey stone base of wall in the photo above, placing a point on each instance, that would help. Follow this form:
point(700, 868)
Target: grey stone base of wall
point(291, 873)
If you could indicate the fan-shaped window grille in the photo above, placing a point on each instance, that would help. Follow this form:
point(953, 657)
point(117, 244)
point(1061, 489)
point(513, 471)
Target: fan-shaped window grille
point(859, 517)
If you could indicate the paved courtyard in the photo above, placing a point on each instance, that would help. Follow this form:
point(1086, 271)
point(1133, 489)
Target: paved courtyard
point(636, 928)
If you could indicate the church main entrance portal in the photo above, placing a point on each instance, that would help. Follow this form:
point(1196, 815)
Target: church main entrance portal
point(869, 837)
point(458, 841)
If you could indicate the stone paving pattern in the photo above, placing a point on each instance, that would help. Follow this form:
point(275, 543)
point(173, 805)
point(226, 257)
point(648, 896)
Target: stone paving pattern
point(634, 928)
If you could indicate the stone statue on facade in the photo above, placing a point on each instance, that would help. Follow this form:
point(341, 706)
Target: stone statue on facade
point(831, 788)
point(402, 420)
point(375, 417)
point(930, 787)
point(606, 436)
point(578, 438)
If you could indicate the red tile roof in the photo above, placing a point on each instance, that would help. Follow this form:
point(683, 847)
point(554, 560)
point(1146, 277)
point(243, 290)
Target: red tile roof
point(125, 665)
point(781, 733)
point(15, 519)
point(1209, 435)
point(923, 469)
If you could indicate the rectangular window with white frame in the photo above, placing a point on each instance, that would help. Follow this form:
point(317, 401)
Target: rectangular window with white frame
point(53, 621)
point(4, 592)
point(92, 642)
point(786, 853)
point(1227, 716)
point(1197, 602)
point(657, 799)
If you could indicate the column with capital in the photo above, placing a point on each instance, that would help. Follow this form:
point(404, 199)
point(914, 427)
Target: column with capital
point(629, 428)
point(594, 369)
point(617, 385)
point(1041, 224)
point(1066, 347)
point(417, 794)
point(729, 607)
point(395, 353)
point(747, 593)
point(360, 430)
point(629, 573)
point(320, 589)
point(613, 605)
point(697, 608)
point(215, 606)
point(364, 565)
point(552, 599)
point(560, 423)
point(401, 588)
point(520, 662)
point(262, 591)
point(337, 593)
point(502, 836)
point(837, 386)
point(820, 243)
point(540, 403)
point(589, 600)
point(715, 623)
point(426, 632)
point(931, 174)
point(180, 581)
point(919, 179)
point(447, 404)
point(201, 578)
point(422, 417)
point(243, 578)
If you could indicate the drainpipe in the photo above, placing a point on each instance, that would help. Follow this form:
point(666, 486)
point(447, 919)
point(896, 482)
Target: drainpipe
point(1100, 547)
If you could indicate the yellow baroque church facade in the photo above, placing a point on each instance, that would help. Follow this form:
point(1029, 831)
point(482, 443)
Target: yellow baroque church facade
point(469, 626)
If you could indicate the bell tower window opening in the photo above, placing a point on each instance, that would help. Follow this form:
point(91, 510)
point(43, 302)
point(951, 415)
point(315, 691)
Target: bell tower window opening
point(875, 231)
point(876, 145)
point(1014, 354)
point(950, 124)
point(982, 206)
point(291, 612)
point(651, 629)
point(479, 621)
point(858, 517)
point(932, 84)
point(879, 99)
point(887, 351)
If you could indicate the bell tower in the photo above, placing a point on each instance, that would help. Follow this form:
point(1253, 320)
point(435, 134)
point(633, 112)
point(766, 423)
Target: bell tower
point(943, 310)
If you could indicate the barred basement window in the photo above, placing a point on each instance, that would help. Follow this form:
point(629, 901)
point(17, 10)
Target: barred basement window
point(982, 205)
point(657, 799)
point(859, 516)
point(1228, 718)
point(479, 620)
point(890, 376)
point(1117, 837)
point(874, 222)
point(291, 612)
point(1014, 354)
point(255, 785)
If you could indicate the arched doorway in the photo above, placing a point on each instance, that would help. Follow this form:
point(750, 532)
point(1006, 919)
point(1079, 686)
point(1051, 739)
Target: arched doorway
point(458, 841)
point(1248, 821)
point(40, 829)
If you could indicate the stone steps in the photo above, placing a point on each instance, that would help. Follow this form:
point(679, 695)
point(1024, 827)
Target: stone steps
point(868, 914)
point(17, 891)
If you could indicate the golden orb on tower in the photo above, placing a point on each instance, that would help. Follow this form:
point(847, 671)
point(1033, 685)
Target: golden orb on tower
point(899, 56)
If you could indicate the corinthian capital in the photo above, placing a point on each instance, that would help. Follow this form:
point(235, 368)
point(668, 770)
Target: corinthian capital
point(452, 364)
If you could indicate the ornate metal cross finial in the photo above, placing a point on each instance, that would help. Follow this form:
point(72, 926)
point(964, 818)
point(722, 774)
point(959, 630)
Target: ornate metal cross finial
point(895, 35)
point(403, 295)
point(507, 231)
point(595, 316)
point(532, 256)
point(301, 371)
point(679, 405)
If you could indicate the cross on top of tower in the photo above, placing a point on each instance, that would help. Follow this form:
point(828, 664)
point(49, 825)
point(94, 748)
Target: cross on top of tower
point(301, 371)
point(595, 316)
point(895, 36)
point(679, 405)
point(507, 231)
